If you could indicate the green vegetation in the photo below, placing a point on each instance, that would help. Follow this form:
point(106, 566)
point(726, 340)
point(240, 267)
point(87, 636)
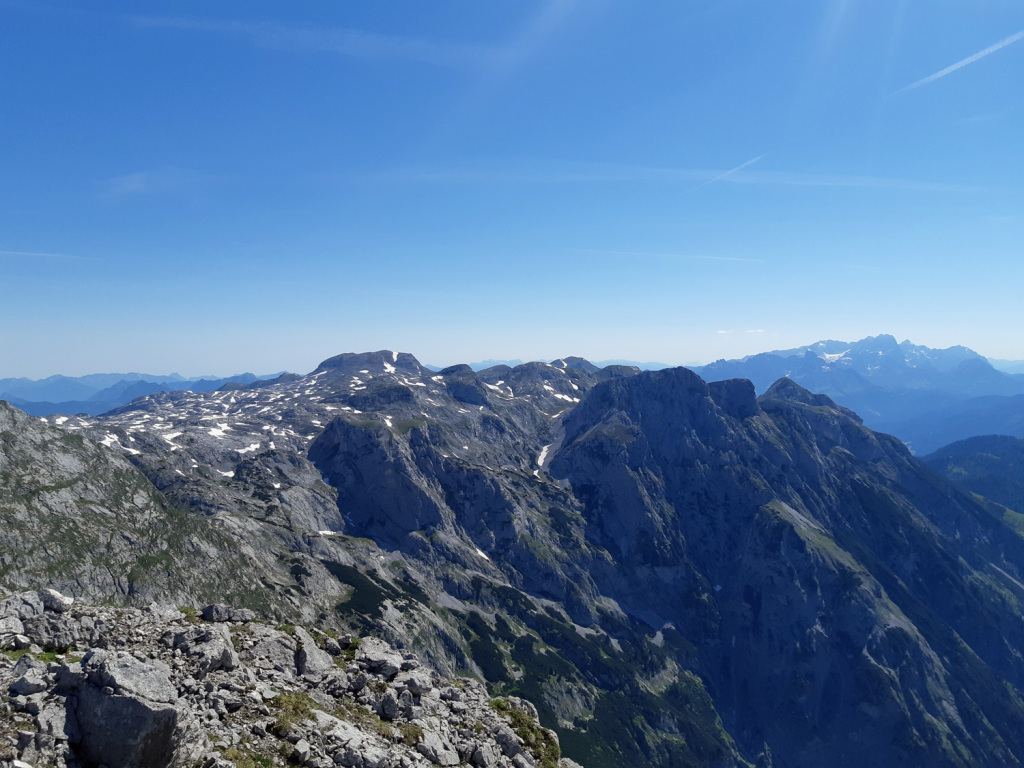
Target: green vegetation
point(540, 740)
point(243, 758)
point(364, 606)
point(46, 656)
point(408, 733)
point(411, 734)
point(290, 709)
point(485, 651)
point(239, 631)
point(190, 614)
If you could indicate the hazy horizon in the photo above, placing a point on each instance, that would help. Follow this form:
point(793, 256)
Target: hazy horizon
point(444, 362)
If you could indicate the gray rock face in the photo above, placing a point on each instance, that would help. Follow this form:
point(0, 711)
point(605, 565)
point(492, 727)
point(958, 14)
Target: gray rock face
point(226, 613)
point(30, 677)
point(309, 658)
point(210, 646)
point(128, 676)
point(139, 702)
point(124, 731)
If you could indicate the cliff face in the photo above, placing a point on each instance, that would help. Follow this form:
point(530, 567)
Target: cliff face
point(813, 562)
point(675, 573)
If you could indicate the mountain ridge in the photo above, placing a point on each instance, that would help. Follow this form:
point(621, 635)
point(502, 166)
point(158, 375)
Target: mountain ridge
point(648, 557)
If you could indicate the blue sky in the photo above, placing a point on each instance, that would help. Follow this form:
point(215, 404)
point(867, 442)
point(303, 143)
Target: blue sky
point(210, 187)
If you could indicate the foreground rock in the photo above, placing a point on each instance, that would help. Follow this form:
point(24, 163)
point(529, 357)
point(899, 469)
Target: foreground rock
point(93, 686)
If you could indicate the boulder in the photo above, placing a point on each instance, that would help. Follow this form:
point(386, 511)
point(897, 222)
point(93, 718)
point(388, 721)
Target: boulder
point(211, 645)
point(56, 631)
point(278, 651)
point(10, 625)
point(124, 731)
point(30, 677)
point(219, 612)
point(128, 676)
point(125, 711)
point(437, 750)
point(309, 659)
point(379, 658)
point(54, 601)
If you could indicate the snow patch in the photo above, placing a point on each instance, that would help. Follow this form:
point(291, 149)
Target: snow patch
point(832, 358)
point(481, 553)
point(543, 455)
point(250, 449)
point(226, 474)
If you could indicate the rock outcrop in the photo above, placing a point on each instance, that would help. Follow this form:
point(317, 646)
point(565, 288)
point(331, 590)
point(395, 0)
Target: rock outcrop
point(157, 687)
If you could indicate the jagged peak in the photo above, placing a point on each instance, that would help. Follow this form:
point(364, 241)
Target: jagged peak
point(787, 390)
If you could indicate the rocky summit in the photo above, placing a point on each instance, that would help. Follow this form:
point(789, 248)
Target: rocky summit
point(672, 572)
point(159, 686)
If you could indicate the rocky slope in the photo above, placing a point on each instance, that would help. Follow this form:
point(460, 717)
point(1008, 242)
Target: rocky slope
point(160, 687)
point(990, 469)
point(674, 572)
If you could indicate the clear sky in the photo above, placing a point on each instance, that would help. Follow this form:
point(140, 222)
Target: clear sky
point(210, 187)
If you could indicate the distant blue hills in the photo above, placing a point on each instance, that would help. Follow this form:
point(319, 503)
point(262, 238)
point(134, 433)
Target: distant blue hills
point(100, 392)
point(926, 397)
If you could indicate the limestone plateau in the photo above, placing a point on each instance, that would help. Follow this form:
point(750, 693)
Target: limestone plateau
point(673, 572)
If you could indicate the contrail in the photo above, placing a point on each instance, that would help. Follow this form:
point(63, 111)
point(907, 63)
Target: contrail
point(964, 62)
point(721, 176)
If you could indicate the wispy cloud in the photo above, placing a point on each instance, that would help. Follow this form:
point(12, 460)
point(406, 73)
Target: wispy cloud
point(160, 181)
point(347, 42)
point(964, 62)
point(497, 56)
point(687, 256)
point(795, 179)
point(726, 174)
point(527, 172)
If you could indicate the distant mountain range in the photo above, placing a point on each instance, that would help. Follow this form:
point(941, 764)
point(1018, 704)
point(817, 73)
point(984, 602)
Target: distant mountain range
point(100, 392)
point(485, 364)
point(1009, 366)
point(926, 397)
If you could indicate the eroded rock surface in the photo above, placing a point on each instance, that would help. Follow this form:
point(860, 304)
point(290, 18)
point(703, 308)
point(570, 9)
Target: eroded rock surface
point(153, 688)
